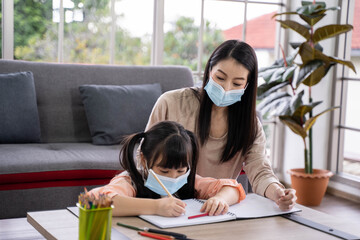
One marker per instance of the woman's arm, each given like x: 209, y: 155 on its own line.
x: 257, y: 165
x: 130, y: 206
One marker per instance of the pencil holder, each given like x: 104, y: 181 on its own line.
x: 95, y: 223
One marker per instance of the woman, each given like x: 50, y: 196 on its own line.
x: 223, y: 115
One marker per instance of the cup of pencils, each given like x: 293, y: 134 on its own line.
x: 95, y: 217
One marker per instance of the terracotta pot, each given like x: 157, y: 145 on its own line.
x: 310, y: 188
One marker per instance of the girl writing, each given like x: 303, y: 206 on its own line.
x: 171, y: 152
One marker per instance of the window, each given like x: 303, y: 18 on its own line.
x: 346, y: 136
x: 181, y: 32
x: 35, y: 34
x: 87, y: 29
x: 351, y: 161
x: 133, y: 31
x: 122, y: 32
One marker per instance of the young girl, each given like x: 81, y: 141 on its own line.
x: 171, y: 152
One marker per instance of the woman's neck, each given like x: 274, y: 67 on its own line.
x: 219, y: 123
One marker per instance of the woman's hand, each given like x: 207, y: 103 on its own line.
x: 215, y: 206
x: 284, y: 198
x: 170, y: 207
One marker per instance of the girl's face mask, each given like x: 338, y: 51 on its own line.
x: 220, y: 97
x: 171, y: 184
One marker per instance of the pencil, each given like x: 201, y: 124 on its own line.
x: 161, y: 184
x: 155, y: 235
x: 200, y: 215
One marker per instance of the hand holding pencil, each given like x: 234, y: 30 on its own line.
x: 170, y: 207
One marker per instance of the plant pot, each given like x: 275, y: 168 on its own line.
x: 310, y: 188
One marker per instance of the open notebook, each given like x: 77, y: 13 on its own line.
x: 253, y: 206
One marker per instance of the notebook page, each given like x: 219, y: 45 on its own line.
x: 256, y: 206
x: 192, y: 208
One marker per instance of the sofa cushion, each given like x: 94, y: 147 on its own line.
x: 114, y: 111
x: 19, y: 119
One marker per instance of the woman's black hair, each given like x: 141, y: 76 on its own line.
x: 169, y: 142
x: 242, y: 122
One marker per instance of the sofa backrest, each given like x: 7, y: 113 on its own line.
x: 61, y: 112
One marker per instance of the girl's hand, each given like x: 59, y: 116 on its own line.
x: 170, y: 207
x: 215, y: 206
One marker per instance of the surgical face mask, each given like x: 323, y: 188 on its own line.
x: 220, y: 97
x: 171, y: 184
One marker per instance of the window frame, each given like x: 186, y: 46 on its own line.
x: 340, y: 85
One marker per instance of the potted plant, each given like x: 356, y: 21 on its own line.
x: 299, y: 72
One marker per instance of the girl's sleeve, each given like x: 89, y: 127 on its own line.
x: 208, y: 187
x: 119, y: 185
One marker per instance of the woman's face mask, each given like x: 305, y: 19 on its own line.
x: 220, y: 97
x: 171, y: 184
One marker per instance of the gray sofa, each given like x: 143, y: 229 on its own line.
x: 51, y: 173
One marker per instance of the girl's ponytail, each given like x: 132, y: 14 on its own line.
x: 126, y: 156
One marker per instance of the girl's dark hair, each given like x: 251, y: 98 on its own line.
x: 242, y: 121
x: 169, y: 142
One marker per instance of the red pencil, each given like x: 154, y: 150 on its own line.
x: 155, y: 235
x: 200, y: 215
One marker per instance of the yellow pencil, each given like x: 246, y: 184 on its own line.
x: 161, y: 184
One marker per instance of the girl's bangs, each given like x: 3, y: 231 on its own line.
x: 176, y: 153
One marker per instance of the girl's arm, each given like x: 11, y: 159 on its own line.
x: 220, y: 194
x: 219, y: 204
x: 229, y: 194
x: 130, y: 206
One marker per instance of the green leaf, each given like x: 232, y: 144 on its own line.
x: 294, y: 126
x: 272, y: 97
x: 289, y: 60
x: 304, y: 109
x: 330, y: 31
x: 297, y: 27
x: 295, y: 45
x: 296, y: 101
x: 308, y: 8
x: 306, y: 52
x: 283, y: 108
x: 284, y: 13
x: 306, y: 71
x: 267, y: 74
x: 315, y: 76
x: 310, y: 122
x: 277, y: 75
x: 346, y: 63
x: 312, y: 20
x: 289, y: 72
x: 271, y: 109
x: 266, y: 89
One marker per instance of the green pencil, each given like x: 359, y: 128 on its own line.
x: 128, y: 226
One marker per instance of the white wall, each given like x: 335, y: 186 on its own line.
x: 293, y: 145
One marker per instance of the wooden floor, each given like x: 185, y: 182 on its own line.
x: 19, y: 228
